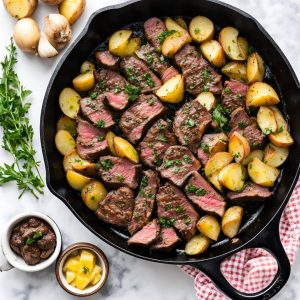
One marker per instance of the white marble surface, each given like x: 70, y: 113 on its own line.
x: 129, y: 278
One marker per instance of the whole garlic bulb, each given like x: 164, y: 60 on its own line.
x: 57, y: 30
x: 52, y: 2
x: 45, y: 49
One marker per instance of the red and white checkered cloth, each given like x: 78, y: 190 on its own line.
x: 251, y: 270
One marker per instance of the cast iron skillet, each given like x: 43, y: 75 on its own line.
x: 264, y: 232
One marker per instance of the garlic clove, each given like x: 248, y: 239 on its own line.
x: 45, y: 49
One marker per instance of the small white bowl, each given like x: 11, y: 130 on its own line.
x: 13, y: 259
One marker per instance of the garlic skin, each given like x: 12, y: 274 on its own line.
x: 57, y: 30
x: 52, y: 2
x: 45, y: 49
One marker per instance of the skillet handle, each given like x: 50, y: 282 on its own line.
x: 269, y: 240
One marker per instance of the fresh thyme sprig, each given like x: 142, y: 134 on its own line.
x: 17, y: 131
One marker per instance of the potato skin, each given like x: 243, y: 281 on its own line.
x: 87, y: 66
x: 233, y: 177
x: 172, y: 91
x: 10, y: 6
x: 266, y: 120
x: 72, y: 9
x: 174, y: 43
x: 69, y: 102
x: 255, y: 153
x: 238, y: 147
x: 201, y: 29
x: 64, y: 142
x: 281, y: 139
x: 213, y: 52
x: 124, y: 149
x: 66, y: 123
x: 76, y: 180
x: 217, y: 162
x: 118, y: 42
x: 209, y: 227
x: 231, y: 221
x: 197, y: 245
x: 235, y: 70
x: 84, y: 82
x: 93, y: 193
x: 275, y: 156
x: 110, y: 142
x: 255, y: 68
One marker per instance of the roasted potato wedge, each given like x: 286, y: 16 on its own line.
x: 255, y: 68
x: 174, y: 26
x: 87, y: 66
x: 232, y: 220
x: 73, y: 158
x: 133, y: 45
x: 93, y: 193
x: 214, y: 142
x: 20, y: 9
x: 84, y: 82
x: 77, y: 181
x: 275, y: 156
x: 118, y: 42
x: 243, y: 47
x: 208, y: 100
x: 281, y: 139
x: 181, y: 22
x: 201, y: 29
x: 197, y: 245
x: 233, y: 177
x: 281, y: 122
x: 266, y: 120
x: 110, y: 142
x: 85, y: 168
x: 213, y: 52
x: 210, y: 227
x: 255, y: 153
x: 214, y: 180
x: 124, y: 149
x: 174, y: 43
x: 69, y: 102
x: 72, y: 9
x: 238, y: 147
x: 217, y: 162
x: 235, y: 70
x: 66, y: 123
x: 261, y: 173
x: 64, y: 142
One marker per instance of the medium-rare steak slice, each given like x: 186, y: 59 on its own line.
x: 174, y: 209
x: 157, y: 140
x: 168, y: 240
x: 154, y: 29
x: 140, y: 115
x: 117, y: 172
x: 90, y: 141
x: 198, y: 74
x: 139, y: 74
x: 107, y: 60
x: 147, y: 235
x: 202, y: 194
x: 117, y: 207
x: 144, y: 202
x: 190, y: 123
x: 202, y: 156
x: 168, y: 74
x: 178, y: 164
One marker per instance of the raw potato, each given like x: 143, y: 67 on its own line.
x: 281, y: 139
x: 217, y: 162
x: 118, y: 42
x: 71, y: 9
x: 85, y: 168
x: 20, y: 9
x: 209, y: 227
x: 174, y: 43
x: 235, y: 70
x: 255, y: 68
x: 69, y: 102
x: 181, y: 22
x: 214, y: 180
x: 73, y: 158
x: 238, y: 147
x: 76, y: 180
x: 208, y: 100
x: 124, y: 149
x: 110, y: 142
x: 213, y: 52
x: 275, y: 156
x: 243, y: 46
x: 84, y: 82
x: 255, y: 153
x: 233, y: 177
x: 64, y: 142
x: 196, y: 245
x: 133, y: 45
x: 266, y: 120
x: 201, y: 29
x: 261, y: 173
x: 66, y: 123
x: 87, y: 66
x: 281, y: 122
x: 231, y: 221
x: 172, y: 91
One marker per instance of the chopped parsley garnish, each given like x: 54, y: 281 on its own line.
x: 197, y: 30
x: 166, y: 222
x: 187, y: 221
x: 150, y: 59
x: 101, y: 85
x: 206, y: 75
x: 280, y: 130
x: 237, y: 155
x: 160, y: 137
x: 164, y: 34
x: 267, y: 131
x: 144, y: 181
x: 100, y: 138
x: 151, y: 101
x: 190, y: 123
x: 120, y: 178
x: 168, y: 163
x: 86, y: 269
x: 242, y: 125
x: 206, y: 88
x: 190, y: 188
x: 176, y: 170
x: 130, y: 73
x: 160, y: 126
x: 179, y: 209
x: 149, y: 80
x: 33, y: 238
x: 162, y: 59
x: 205, y: 147
x: 100, y: 124
x: 220, y: 116
x: 157, y: 161
x: 227, y: 90
x: 107, y: 164
x: 168, y: 206
x: 117, y: 89
x: 136, y: 215
x: 94, y: 95
x: 187, y: 159
x: 132, y: 91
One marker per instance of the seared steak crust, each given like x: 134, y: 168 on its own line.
x: 168, y: 240
x: 153, y: 28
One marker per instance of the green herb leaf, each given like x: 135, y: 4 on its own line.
x: 33, y: 238
x: 220, y: 116
x: 132, y: 91
x: 164, y: 34
x: 100, y: 124
x: 107, y: 164
x: 144, y: 181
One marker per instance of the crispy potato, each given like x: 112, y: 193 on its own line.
x: 201, y: 29
x: 64, y: 142
x: 261, y: 173
x: 73, y: 158
x: 66, y: 123
x: 133, y: 45
x: 174, y: 43
x: 118, y: 42
x: 84, y: 82
x: 69, y: 102
x: 85, y: 168
x: 209, y: 227
x: 214, y: 180
x: 20, y: 9
x: 281, y: 139
x: 255, y: 68
x: 281, y: 122
x: 235, y: 70
x: 181, y: 22
x: 172, y: 91
x: 243, y: 47
x: 72, y: 9
x: 231, y: 221
x: 213, y: 52
x: 124, y: 149
x: 217, y: 162
x: 77, y: 181
x: 266, y: 120
x: 238, y: 147
x: 214, y: 142
x: 196, y: 245
x: 87, y: 66
x: 93, y: 193
x: 110, y: 142
x: 233, y: 177
x: 255, y: 153
x: 275, y: 156
x: 261, y: 93
x: 208, y: 100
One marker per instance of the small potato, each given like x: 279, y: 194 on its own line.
x: 133, y: 45
x: 73, y: 158
x: 255, y: 68
x: 85, y: 168
x: 243, y: 46
x: 66, y: 123
x: 93, y: 193
x: 84, y: 82
x: 232, y: 220
x: 255, y: 153
x: 213, y: 52
x: 261, y: 93
x: 20, y: 9
x: 124, y: 149
x: 214, y: 142
x: 174, y: 26
x: 266, y: 120
x: 118, y: 42
x: 76, y: 180
x: 201, y: 29
x: 214, y: 180
x: 172, y: 91
x: 87, y: 66
x: 181, y: 22
x: 238, y: 147
x: 209, y: 227
x: 275, y: 156
x: 235, y: 70
x: 233, y: 177
x: 197, y: 245
x: 64, y: 142
x: 69, y: 102
x: 208, y: 100
x: 281, y: 122
x: 72, y: 9
x: 174, y: 43
x: 281, y: 139
x: 262, y: 174
x: 110, y: 142
x: 217, y: 162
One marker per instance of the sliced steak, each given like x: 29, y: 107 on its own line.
x: 117, y: 172
x: 90, y: 141
x: 139, y: 74
x: 239, y: 119
x: 144, y: 202
x: 168, y: 74
x: 178, y: 164
x: 198, y: 74
x: 107, y: 60
x: 174, y: 209
x: 190, y: 123
x: 157, y: 140
x: 203, y: 156
x: 117, y: 207
x: 147, y: 235
x: 168, y: 240
x: 153, y: 29
x: 140, y: 115
x: 203, y: 195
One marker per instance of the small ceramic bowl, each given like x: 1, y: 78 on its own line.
x: 101, y: 261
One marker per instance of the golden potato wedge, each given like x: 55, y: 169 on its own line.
x: 118, y: 42
x: 133, y: 45
x: 87, y: 66
x: 96, y: 275
x: 93, y: 193
x: 85, y: 168
x: 275, y: 156
x: 181, y: 22
x: 281, y: 122
x: 214, y: 180
x: 208, y: 100
x: 213, y: 52
x: 172, y: 91
x: 255, y: 153
x: 217, y: 162
x: 73, y: 158
x: 72, y: 9
x: 110, y: 142
x: 69, y: 102
x: 77, y: 181
x: 20, y: 9
x: 266, y: 120
x: 84, y: 82
x: 262, y: 174
x: 66, y: 123
x: 174, y: 43
x: 255, y: 68
x: 232, y: 220
x: 174, y: 26
x: 197, y: 245
x: 243, y: 47
x: 124, y: 149
x: 281, y: 139
x: 214, y: 142
x: 201, y: 29
x: 235, y: 70
x: 210, y: 227
x: 64, y: 142
x: 233, y: 177
x: 261, y: 93
x: 238, y: 147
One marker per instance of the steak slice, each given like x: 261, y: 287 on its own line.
x: 202, y: 194
x: 140, y: 115
x: 139, y: 74
x: 107, y: 60
x: 157, y: 140
x: 147, y: 235
x: 202, y: 156
x: 168, y: 240
x: 90, y: 141
x: 174, y: 209
x: 168, y: 74
x: 144, y: 202
x: 117, y: 172
x: 178, y: 164
x: 153, y: 28
x: 190, y: 123
x: 117, y: 207
x: 198, y: 74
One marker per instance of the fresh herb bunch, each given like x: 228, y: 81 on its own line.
x: 17, y: 131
